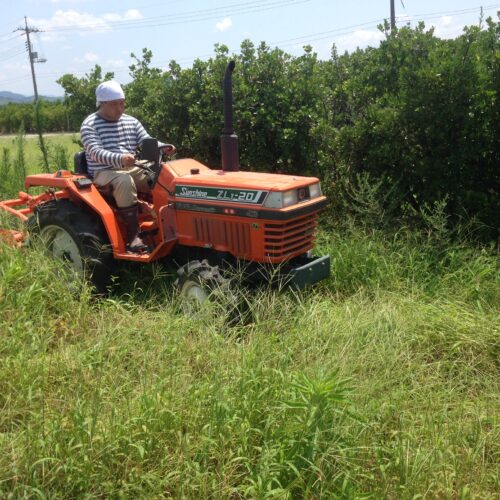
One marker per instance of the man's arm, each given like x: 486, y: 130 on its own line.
x: 141, y: 133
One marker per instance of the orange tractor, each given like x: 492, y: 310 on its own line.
x: 202, y: 220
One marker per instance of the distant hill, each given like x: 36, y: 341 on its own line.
x: 6, y: 97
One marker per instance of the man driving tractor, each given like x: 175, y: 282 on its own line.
x: 110, y: 138
x: 206, y: 221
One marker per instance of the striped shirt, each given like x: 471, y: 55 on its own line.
x: 105, y: 142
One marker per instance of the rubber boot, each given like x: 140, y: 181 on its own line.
x: 130, y: 217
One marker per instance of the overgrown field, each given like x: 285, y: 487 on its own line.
x: 21, y: 155
x: 383, y: 381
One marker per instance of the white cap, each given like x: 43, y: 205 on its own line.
x: 108, y: 91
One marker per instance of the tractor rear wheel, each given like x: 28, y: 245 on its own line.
x: 77, y: 237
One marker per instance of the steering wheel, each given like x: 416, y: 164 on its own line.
x: 148, y: 157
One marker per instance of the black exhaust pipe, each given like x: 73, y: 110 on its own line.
x: 228, y: 139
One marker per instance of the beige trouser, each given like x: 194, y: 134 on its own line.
x: 125, y: 182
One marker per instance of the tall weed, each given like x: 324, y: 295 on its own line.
x: 371, y: 200
x: 60, y: 157
x: 42, y: 144
x: 5, y: 171
x: 19, y: 164
x: 129, y: 396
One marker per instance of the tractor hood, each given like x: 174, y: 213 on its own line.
x: 189, y: 172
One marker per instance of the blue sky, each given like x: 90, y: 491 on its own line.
x: 77, y: 34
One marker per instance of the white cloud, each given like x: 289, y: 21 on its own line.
x: 447, y: 27
x: 88, y: 57
x: 446, y: 20
x: 115, y: 64
x: 224, y: 25
x: 68, y: 1
x: 65, y: 23
x: 108, y: 64
x: 360, y: 38
x: 444, y: 27
x: 130, y: 15
x: 403, y: 20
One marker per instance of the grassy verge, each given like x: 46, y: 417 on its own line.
x: 383, y: 381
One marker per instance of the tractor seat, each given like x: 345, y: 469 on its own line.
x: 80, y: 165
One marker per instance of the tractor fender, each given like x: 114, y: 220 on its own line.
x: 96, y: 202
x: 78, y: 187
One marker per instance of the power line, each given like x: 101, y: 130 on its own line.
x: 12, y: 55
x: 343, y: 31
x: 318, y: 36
x: 302, y: 39
x: 460, y: 11
x: 183, y: 18
x: 208, y: 14
x: 10, y: 48
x: 7, y: 37
x: 347, y: 30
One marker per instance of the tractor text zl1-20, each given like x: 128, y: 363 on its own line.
x: 201, y: 219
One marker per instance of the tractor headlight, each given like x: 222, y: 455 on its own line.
x: 283, y: 199
x: 274, y: 200
x: 315, y: 190
x: 290, y: 198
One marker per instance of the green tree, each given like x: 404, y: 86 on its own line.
x: 417, y: 116
x: 423, y: 112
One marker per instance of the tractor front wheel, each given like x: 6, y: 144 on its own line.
x: 199, y: 282
x: 77, y: 237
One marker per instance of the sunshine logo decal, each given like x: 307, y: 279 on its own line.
x: 247, y: 196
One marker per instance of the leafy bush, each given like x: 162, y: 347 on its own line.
x: 417, y: 113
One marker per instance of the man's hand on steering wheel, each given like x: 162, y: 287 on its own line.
x: 168, y: 149
x: 128, y: 160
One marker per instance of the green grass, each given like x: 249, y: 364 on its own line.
x: 61, y: 150
x: 383, y: 381
x: 21, y: 155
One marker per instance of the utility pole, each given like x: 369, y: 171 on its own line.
x: 33, y: 56
x: 393, y: 15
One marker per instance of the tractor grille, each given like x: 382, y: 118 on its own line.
x: 233, y: 235
x: 290, y: 238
